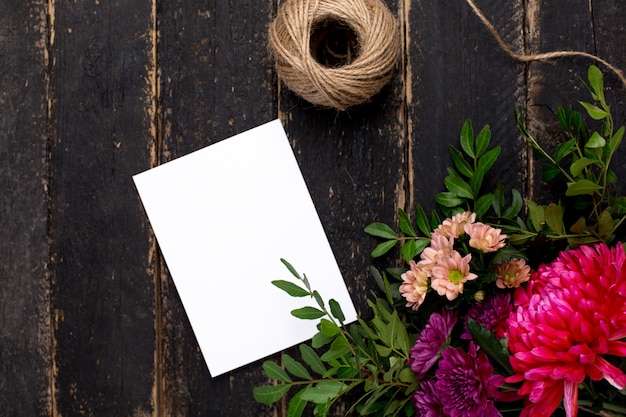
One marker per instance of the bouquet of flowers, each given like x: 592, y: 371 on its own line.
x: 506, y: 308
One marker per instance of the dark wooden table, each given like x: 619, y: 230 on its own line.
x: 95, y: 91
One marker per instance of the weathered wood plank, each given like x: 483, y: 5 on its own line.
x: 216, y: 81
x: 580, y: 26
x: 458, y: 72
x: 24, y: 282
x: 103, y: 285
x: 353, y: 163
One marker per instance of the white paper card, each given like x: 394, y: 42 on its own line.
x: 224, y: 216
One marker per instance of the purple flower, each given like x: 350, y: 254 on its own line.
x: 491, y: 313
x: 426, y: 401
x: 466, y: 384
x: 431, y: 341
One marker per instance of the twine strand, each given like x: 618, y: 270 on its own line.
x: 542, y: 56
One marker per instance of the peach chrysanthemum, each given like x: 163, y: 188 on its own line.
x: 450, y: 275
x: 455, y: 225
x: 568, y: 324
x: 484, y: 237
x: 414, y: 286
x: 512, y: 273
x: 440, y: 246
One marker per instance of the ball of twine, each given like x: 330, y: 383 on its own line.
x: 334, y: 53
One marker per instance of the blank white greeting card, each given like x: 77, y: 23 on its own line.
x: 224, y: 216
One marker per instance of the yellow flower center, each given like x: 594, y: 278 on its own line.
x: 455, y: 276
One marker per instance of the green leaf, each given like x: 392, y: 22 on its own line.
x: 291, y: 288
x: 605, y: 225
x: 318, y: 299
x: 381, y: 230
x: 616, y: 140
x: 564, y: 149
x: 549, y: 172
x: 577, y: 166
x: 595, y: 81
x: 477, y: 180
x: 290, y: 268
x: 554, y: 218
x: 422, y: 220
x: 335, y: 310
x: 405, y: 223
x: 459, y: 162
x: 482, y: 140
x: 537, y: 215
x: 481, y: 206
x: 447, y: 199
x: 328, y: 328
x: 383, y: 351
x: 409, y: 250
x: 323, y: 391
x: 582, y: 187
x: 312, y: 359
x: 489, y: 158
x: 274, y: 371
x: 595, y: 112
x: 383, y: 248
x: 295, y: 368
x: 458, y: 187
x: 308, y: 313
x: 320, y: 339
x: 516, y: 205
x: 489, y: 344
x: 270, y: 394
x: 296, y: 405
x: 595, y: 141
x: 467, y: 138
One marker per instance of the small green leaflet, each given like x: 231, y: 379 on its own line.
x: 291, y: 288
x: 312, y: 359
x: 307, y: 313
x: 380, y: 230
x: 274, y: 371
x: 270, y: 394
x: 323, y: 391
x: 295, y: 368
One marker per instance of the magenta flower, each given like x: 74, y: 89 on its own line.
x: 569, y: 319
x: 426, y: 401
x: 491, y: 313
x: 432, y: 340
x: 466, y: 384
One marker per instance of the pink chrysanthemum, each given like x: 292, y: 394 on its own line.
x: 466, y: 384
x: 484, y: 237
x: 426, y: 401
x: 450, y: 274
x: 414, y: 286
x: 570, y: 316
x: 455, y: 226
x: 512, y: 274
x: 432, y: 340
x: 440, y: 246
x: 491, y: 313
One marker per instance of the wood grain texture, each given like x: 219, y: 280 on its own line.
x: 458, y: 73
x: 216, y: 81
x: 93, y: 92
x: 24, y: 282
x: 102, y: 296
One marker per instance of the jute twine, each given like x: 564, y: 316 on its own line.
x: 546, y: 56
x: 340, y: 70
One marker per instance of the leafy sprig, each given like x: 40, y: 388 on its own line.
x: 370, y: 356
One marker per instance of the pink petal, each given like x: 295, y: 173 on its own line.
x: 570, y: 399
